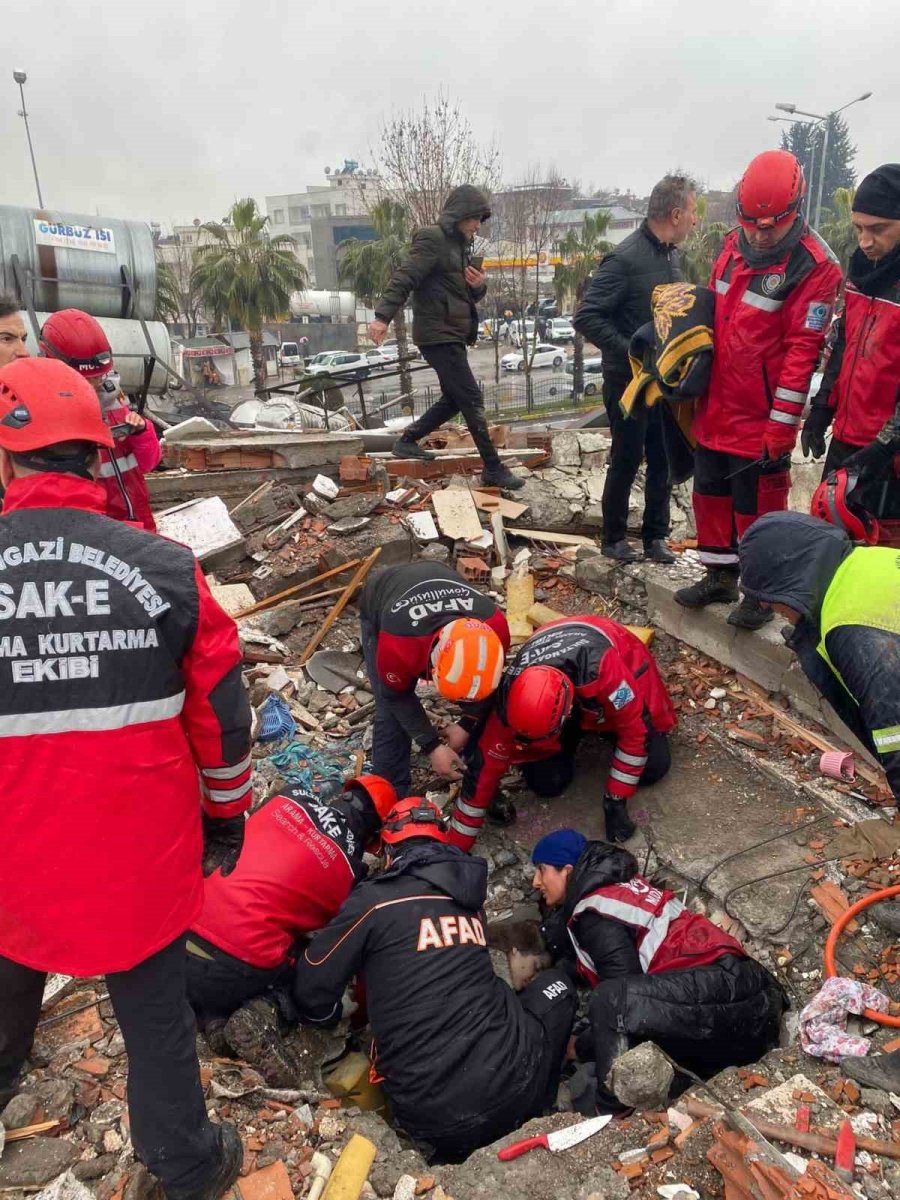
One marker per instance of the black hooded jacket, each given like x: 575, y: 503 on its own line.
x: 451, y: 1039
x: 791, y: 558
x: 610, y: 945
x: 433, y: 271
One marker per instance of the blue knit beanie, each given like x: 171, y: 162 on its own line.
x: 561, y: 848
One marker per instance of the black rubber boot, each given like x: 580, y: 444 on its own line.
x: 500, y: 476
x: 718, y: 586
x: 253, y: 1034
x: 619, y: 826
x: 750, y: 615
x: 621, y: 552
x: 501, y: 811
x: 657, y: 551
x: 875, y: 1071
x: 221, y: 1179
x: 403, y: 449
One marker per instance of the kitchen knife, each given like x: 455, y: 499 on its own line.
x: 560, y: 1139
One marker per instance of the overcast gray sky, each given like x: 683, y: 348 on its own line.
x: 170, y: 109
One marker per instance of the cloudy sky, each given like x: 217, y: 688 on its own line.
x: 169, y: 109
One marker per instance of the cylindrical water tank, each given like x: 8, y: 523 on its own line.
x: 340, y: 305
x: 69, y: 260
x: 129, y: 349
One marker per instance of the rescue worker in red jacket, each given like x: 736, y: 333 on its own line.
x: 123, y: 719
x: 775, y: 283
x: 573, y: 676
x: 422, y: 620
x: 77, y: 339
x: 658, y: 971
x: 860, y: 391
x: 300, y: 859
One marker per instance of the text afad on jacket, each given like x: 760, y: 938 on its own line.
x: 449, y: 931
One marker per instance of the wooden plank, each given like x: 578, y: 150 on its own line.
x: 359, y: 575
x: 30, y: 1131
x: 558, y: 539
x: 456, y: 514
x: 519, y: 599
x: 271, y: 601
x: 510, y: 510
x: 500, y: 543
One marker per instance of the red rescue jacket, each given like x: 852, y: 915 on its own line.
x: 668, y: 937
x: 863, y: 373
x: 121, y: 710
x: 618, y: 691
x: 134, y: 454
x: 770, y: 325
x: 298, y: 863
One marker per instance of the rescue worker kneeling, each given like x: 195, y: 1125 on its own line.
x: 301, y: 857
x: 658, y: 972
x: 573, y: 676
x: 462, y: 1058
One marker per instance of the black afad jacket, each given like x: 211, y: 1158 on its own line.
x: 451, y: 1040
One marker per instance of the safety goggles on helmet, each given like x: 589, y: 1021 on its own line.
x: 769, y: 222
x: 98, y: 364
x: 414, y: 817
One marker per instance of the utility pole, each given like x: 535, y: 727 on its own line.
x: 20, y: 77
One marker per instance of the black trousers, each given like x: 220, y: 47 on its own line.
x: 633, y: 439
x: 391, y: 744
x: 551, y: 776
x: 730, y: 492
x: 461, y: 394
x: 170, y: 1130
x: 218, y: 983
x: 881, y: 497
x: 550, y: 1001
x: 706, y: 1018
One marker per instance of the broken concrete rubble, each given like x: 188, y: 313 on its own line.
x: 641, y: 1078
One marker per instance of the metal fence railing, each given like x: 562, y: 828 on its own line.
x: 514, y: 396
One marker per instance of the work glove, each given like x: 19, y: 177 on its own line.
x: 812, y: 435
x: 223, y: 839
x: 872, y: 461
x: 778, y: 442
x: 619, y: 826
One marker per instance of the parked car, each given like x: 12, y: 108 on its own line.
x: 560, y: 329
x: 289, y: 354
x: 545, y: 355
x: 515, y: 336
x: 592, y: 367
x: 333, y: 362
x: 391, y: 348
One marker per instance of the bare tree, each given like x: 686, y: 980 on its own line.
x: 181, y: 302
x: 423, y: 153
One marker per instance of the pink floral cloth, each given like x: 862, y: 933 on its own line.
x: 823, y: 1022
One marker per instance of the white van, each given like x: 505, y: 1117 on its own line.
x: 289, y: 355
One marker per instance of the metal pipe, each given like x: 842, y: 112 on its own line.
x: 822, y: 167
x: 20, y: 77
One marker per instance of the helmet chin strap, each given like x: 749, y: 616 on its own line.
x: 72, y: 464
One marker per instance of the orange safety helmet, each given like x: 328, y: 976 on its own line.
x: 44, y: 402
x: 539, y: 701
x: 378, y: 790
x: 834, y: 501
x: 466, y: 660
x: 771, y: 190
x: 414, y: 817
x: 78, y: 339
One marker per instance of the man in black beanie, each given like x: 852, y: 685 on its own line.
x: 860, y: 392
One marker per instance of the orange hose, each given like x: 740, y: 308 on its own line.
x: 838, y: 928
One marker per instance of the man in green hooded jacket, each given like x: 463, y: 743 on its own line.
x: 445, y: 284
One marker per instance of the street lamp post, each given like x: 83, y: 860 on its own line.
x: 20, y: 77
x: 812, y: 157
x: 825, y: 119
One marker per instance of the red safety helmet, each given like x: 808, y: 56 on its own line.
x: 771, y: 190
x: 43, y: 403
x: 539, y: 701
x: 378, y: 790
x: 834, y: 501
x: 77, y: 338
x: 411, y: 818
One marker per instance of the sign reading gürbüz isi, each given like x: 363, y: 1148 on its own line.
x: 74, y: 237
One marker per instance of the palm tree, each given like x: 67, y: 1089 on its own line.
x: 581, y: 251
x: 702, y: 248
x: 838, y: 230
x: 244, y: 275
x: 168, y: 296
x: 367, y: 267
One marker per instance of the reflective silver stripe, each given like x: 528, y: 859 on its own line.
x: 126, y: 463
x: 630, y: 760
x: 220, y: 796
x: 622, y: 777
x: 227, y: 772
x: 468, y: 830
x: 468, y: 810
x: 793, y: 397
x: 717, y: 560
x: 784, y: 418
x: 722, y: 286
x: 91, y: 720
x: 656, y: 934
x: 766, y: 303
x: 656, y: 924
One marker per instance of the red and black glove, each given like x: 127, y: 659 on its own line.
x: 778, y: 442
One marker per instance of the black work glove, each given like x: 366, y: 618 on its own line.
x: 223, y: 838
x: 619, y: 826
x: 772, y: 466
x: 872, y: 461
x: 812, y: 435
